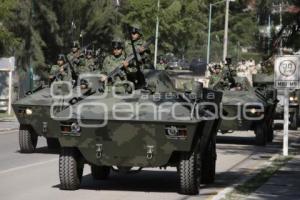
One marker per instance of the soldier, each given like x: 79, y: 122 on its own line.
x: 136, y: 43
x: 76, y: 57
x: 90, y: 65
x: 161, y: 65
x: 114, y: 60
x: 60, y: 71
x: 216, y: 76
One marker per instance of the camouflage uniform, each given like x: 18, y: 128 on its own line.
x: 77, y: 59
x: 62, y: 76
x: 160, y: 66
x: 214, y: 79
x: 90, y: 65
x: 111, y: 62
x: 145, y: 62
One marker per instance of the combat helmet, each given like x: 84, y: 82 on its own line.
x: 61, y: 57
x: 136, y: 28
x: 76, y: 44
x: 117, y: 43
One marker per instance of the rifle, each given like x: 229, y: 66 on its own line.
x: 230, y: 76
x: 118, y: 70
x: 73, y: 72
x: 137, y: 59
x: 58, y: 75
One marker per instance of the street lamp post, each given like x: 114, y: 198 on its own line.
x: 156, y: 35
x: 225, y: 31
x: 209, y: 34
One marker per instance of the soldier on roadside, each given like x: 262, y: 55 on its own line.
x: 161, y: 65
x: 60, y: 71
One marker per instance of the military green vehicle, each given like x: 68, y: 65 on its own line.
x: 247, y: 108
x: 266, y: 82
x: 294, y: 107
x: 142, y: 128
x: 34, y: 113
x: 183, y: 79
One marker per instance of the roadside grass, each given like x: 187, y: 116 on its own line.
x: 245, y: 189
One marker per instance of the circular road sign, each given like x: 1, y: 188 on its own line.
x: 287, y: 68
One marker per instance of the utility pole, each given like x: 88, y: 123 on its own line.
x: 269, y: 35
x: 280, y: 8
x: 156, y: 34
x: 226, y: 30
x: 209, y: 34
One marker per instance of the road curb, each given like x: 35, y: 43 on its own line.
x: 3, y: 131
x: 222, y: 194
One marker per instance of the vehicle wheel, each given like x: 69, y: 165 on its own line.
x: 270, y: 135
x: 270, y: 132
x: 70, y: 169
x: 100, y: 172
x: 189, y: 173
x: 293, y: 125
x: 27, y: 140
x: 53, y: 143
x: 261, y: 135
x: 208, y: 167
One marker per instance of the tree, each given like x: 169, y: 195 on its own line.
x: 7, y: 39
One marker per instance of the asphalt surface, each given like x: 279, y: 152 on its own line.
x: 35, y: 176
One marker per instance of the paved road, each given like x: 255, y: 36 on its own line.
x: 35, y: 176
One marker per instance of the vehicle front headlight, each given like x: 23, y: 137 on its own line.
x: 75, y: 128
x: 253, y: 110
x: 292, y: 98
x: 28, y: 111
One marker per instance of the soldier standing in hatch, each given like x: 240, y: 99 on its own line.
x: 76, y: 57
x: 60, y: 71
x: 90, y: 65
x: 216, y: 76
x: 114, y: 60
x: 136, y: 43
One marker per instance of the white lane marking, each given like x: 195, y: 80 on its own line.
x: 27, y: 166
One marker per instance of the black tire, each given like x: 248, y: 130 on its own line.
x: 27, y: 140
x: 70, y: 169
x: 189, y: 173
x: 208, y: 164
x: 293, y: 119
x: 100, y: 172
x: 260, y: 135
x: 53, y: 143
x: 270, y: 132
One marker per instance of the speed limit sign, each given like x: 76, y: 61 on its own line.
x: 287, y: 72
x: 286, y: 78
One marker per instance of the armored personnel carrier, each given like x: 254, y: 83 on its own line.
x: 247, y: 108
x: 141, y: 128
x: 265, y: 82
